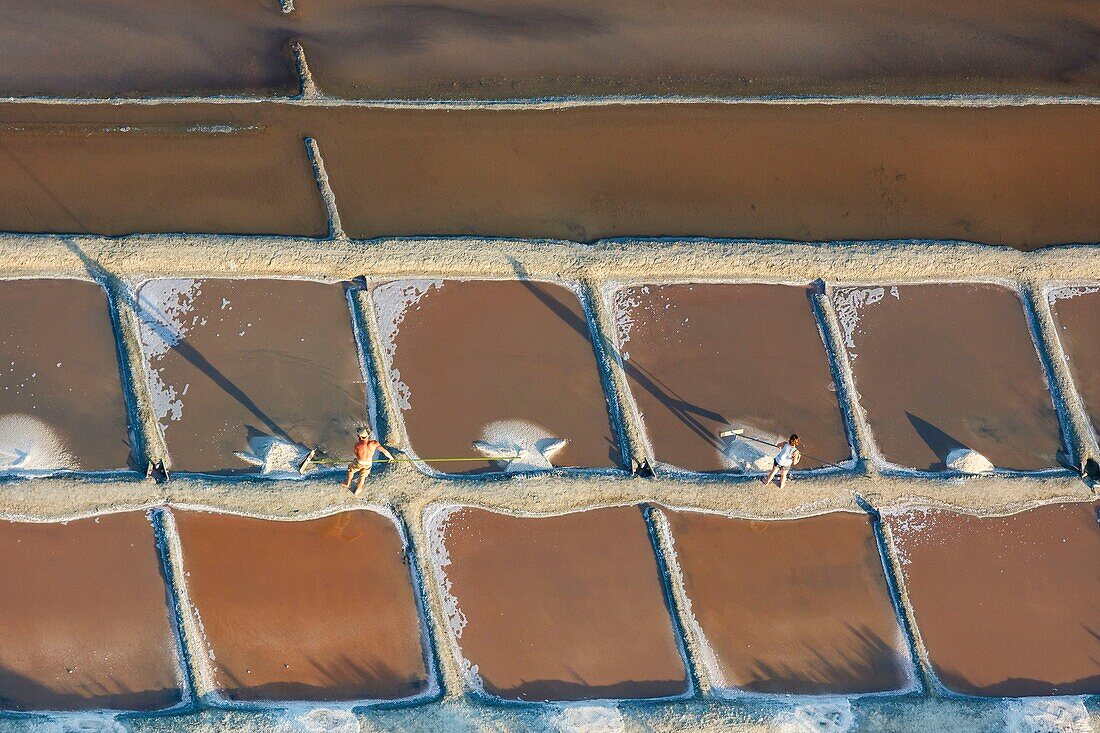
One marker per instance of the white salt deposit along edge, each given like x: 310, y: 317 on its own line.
x: 1066, y: 292
x: 825, y: 715
x: 588, y: 717
x: 1048, y: 715
x: 392, y: 301
x: 849, y: 301
x: 29, y: 445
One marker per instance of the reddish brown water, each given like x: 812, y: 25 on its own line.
x: 1006, y: 606
x: 1076, y: 318
x: 87, y: 178
x: 234, y: 360
x: 792, y: 607
x: 562, y: 608
x: 469, y: 356
x: 61, y: 403
x: 310, y: 610
x: 84, y: 618
x: 943, y: 367
x: 703, y: 357
x: 85, y: 48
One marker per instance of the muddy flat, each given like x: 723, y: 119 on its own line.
x: 537, y: 48
x: 703, y: 358
x: 986, y: 393
x: 130, y: 48
x: 508, y: 364
x: 116, y: 180
x: 1006, y: 606
x: 245, y: 366
x: 307, y: 610
x: 1076, y: 312
x: 1022, y: 177
x: 84, y: 617
x: 561, y: 608
x: 792, y: 607
x: 61, y: 402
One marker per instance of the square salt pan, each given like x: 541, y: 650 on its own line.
x: 507, y: 365
x: 85, y: 622
x: 322, y: 609
x: 251, y: 367
x: 701, y: 358
x: 796, y: 607
x: 948, y: 368
x: 567, y: 607
x: 61, y: 400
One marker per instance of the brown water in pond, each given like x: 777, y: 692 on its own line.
x: 61, y: 402
x: 84, y: 618
x: 703, y: 357
x: 792, y: 607
x: 307, y: 610
x: 1007, y: 606
x: 505, y: 362
x: 1077, y: 316
x: 945, y: 367
x: 234, y: 361
x: 85, y: 48
x: 567, y: 607
x: 176, y: 177
x: 1023, y: 177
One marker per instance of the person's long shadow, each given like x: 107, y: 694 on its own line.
x: 937, y: 440
x: 686, y: 412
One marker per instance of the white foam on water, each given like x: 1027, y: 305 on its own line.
x: 588, y: 718
x: 391, y: 303
x: 849, y: 302
x: 534, y: 445
x: 824, y: 716
x: 968, y: 461
x: 30, y: 444
x: 1053, y: 715
x: 275, y: 456
x: 163, y: 307
x: 1065, y: 292
x: 328, y: 720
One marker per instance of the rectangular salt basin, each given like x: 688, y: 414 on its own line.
x: 267, y: 369
x: 1024, y: 177
x: 116, y: 180
x: 506, y: 364
x: 946, y: 368
x: 85, y: 622
x: 701, y: 358
x: 796, y: 607
x: 61, y: 401
x: 1006, y: 606
x: 125, y: 48
x: 567, y: 607
x: 321, y: 609
x: 1076, y: 314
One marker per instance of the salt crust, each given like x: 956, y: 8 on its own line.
x: 392, y: 302
x: 589, y: 718
x: 163, y: 307
x: 829, y: 715
x: 849, y: 302
x: 1050, y: 715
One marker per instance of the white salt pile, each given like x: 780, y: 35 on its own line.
x: 276, y: 457
x: 531, y: 445
x: 30, y: 444
x: 968, y: 461
x: 748, y: 456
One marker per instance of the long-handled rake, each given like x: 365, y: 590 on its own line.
x: 311, y: 460
x: 740, y: 432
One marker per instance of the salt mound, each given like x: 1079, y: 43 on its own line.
x: 747, y: 456
x: 30, y: 444
x: 532, y: 445
x: 274, y: 456
x: 969, y: 461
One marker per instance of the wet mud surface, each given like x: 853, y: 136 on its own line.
x: 1006, y: 606
x: 506, y: 363
x: 941, y: 368
x: 234, y: 364
x: 61, y: 401
x: 124, y: 48
x: 701, y: 358
x: 1077, y: 311
x: 792, y: 607
x: 567, y: 607
x: 84, y: 618
x: 306, y: 610
x: 172, y: 177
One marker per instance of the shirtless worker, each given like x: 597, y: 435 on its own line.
x: 365, y: 449
x: 789, y: 454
